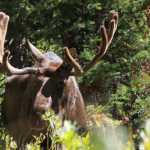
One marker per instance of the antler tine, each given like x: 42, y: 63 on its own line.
x: 113, y: 25
x: 36, y: 53
x: 75, y: 64
x: 107, y: 36
x: 4, y: 19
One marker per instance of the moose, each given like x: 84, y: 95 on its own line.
x: 50, y: 83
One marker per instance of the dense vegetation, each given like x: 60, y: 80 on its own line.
x: 119, y: 84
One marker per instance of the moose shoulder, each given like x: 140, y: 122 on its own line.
x: 50, y: 83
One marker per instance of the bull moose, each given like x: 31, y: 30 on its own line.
x: 50, y: 83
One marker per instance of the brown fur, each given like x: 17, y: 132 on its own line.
x: 24, y: 98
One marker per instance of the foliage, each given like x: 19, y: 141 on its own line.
x: 99, y: 137
x: 124, y: 73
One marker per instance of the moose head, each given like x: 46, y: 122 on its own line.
x: 50, y: 83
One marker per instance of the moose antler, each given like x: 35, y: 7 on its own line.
x: 12, y: 70
x: 4, y: 63
x: 36, y: 53
x: 4, y: 19
x: 27, y: 70
x: 107, y: 36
